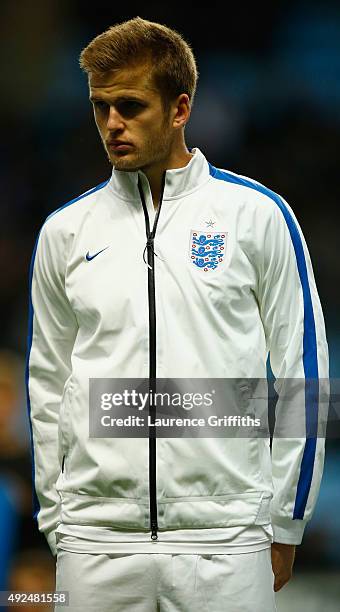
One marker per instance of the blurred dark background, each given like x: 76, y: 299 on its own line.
x: 267, y: 106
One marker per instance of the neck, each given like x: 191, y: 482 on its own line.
x: 178, y: 158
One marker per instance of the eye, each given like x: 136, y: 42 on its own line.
x: 100, y: 105
x: 130, y: 108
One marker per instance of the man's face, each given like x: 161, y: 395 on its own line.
x: 133, y: 125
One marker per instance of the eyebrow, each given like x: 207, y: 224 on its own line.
x: 119, y: 99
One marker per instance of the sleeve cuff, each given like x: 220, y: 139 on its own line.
x: 288, y: 531
x: 51, y: 540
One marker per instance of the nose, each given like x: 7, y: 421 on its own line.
x: 114, y: 121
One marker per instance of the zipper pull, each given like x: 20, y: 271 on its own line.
x: 154, y: 535
x: 147, y: 246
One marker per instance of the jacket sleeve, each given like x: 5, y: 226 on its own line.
x: 52, y: 332
x: 295, y: 334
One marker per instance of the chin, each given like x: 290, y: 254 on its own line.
x: 123, y: 163
x: 125, y: 166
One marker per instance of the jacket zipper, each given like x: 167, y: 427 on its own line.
x: 150, y: 235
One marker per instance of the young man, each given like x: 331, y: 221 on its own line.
x: 170, y: 269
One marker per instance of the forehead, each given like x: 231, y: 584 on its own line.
x: 133, y: 79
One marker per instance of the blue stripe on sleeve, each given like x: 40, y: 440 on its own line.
x: 36, y: 505
x: 83, y: 195
x: 310, y: 362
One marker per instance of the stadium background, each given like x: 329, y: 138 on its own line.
x: 267, y: 106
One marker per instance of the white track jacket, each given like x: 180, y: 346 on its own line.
x: 98, y: 310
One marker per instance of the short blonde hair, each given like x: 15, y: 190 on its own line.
x: 139, y: 41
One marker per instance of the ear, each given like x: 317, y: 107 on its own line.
x: 181, y: 111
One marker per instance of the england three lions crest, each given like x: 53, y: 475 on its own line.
x: 207, y: 249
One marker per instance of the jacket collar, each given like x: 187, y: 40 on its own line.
x: 178, y: 181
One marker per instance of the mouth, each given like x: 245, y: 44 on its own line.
x: 119, y: 146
